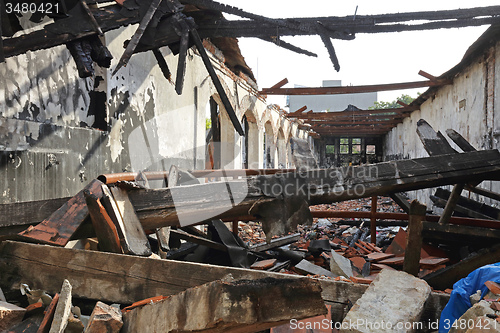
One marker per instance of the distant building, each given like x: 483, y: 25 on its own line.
x: 331, y: 102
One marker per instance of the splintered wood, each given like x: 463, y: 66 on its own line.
x: 225, y: 306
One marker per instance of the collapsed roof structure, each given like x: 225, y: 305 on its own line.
x: 176, y: 133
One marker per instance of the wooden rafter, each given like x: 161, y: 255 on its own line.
x: 353, y: 89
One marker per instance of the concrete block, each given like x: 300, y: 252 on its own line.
x: 10, y: 315
x: 463, y: 323
x: 340, y: 265
x: 392, y: 303
x: 63, y: 309
x: 104, y: 318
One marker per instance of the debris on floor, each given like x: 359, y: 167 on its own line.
x: 120, y: 247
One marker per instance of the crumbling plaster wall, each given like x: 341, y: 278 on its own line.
x: 49, y: 149
x: 471, y: 106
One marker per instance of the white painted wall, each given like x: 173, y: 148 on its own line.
x: 461, y: 106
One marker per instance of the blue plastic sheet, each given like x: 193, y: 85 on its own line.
x: 459, y: 300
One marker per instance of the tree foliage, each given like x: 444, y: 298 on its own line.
x: 407, y: 99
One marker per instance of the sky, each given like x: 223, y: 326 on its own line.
x: 369, y: 58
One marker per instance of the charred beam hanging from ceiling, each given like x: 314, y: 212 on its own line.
x: 163, y: 64
x: 136, y: 38
x: 215, y: 79
x: 114, y: 16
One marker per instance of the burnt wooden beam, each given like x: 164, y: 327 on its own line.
x: 353, y: 89
x: 275, y: 243
x: 114, y: 16
x: 434, y: 142
x: 325, y: 38
x: 92, y: 18
x: 160, y: 207
x: 483, y: 192
x: 163, y: 64
x: 30, y: 212
x: 401, y: 202
x: 281, y: 43
x: 229, y: 311
x: 362, y: 121
x: 459, y: 140
x: 74, y: 212
x: 441, y: 202
x: 198, y: 240
x: 411, y: 263
x: 215, y: 79
x: 281, y: 84
x: 258, y: 29
x: 137, y: 35
x: 45, y: 267
x: 347, y: 114
x: 37, y: 264
x: 105, y: 229
x: 446, y: 277
x: 181, y: 64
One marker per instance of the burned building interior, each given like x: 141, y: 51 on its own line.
x: 148, y: 184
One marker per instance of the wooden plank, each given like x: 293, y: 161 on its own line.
x: 452, y: 201
x: 401, y: 202
x: 228, y: 310
x: 73, y: 213
x: 373, y: 220
x: 29, y: 212
x: 483, y: 192
x: 144, y: 277
x: 135, y: 243
x: 441, y: 203
x: 181, y: 64
x: 104, y: 227
x: 446, y: 277
x: 411, y: 263
x: 378, y: 256
x: 133, y: 232
x: 215, y: 79
x: 479, y: 207
x: 431, y: 229
x: 137, y: 35
x: 306, y: 267
x: 353, y: 89
x: 434, y: 143
x: 329, y: 47
x: 459, y: 140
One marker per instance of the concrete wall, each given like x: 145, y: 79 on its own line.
x: 471, y: 106
x: 332, y: 102
x: 49, y: 149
